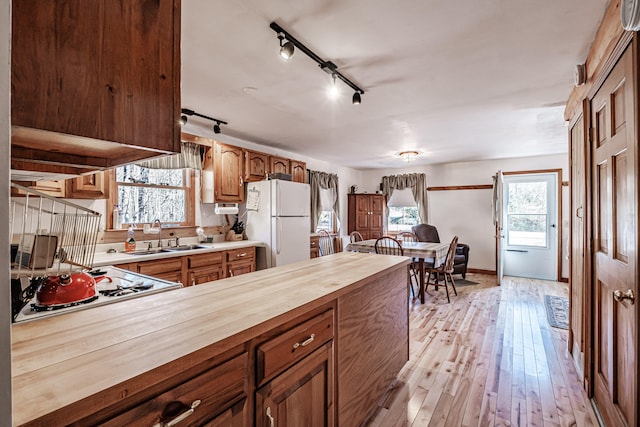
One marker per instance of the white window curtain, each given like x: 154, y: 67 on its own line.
x: 401, y: 199
x: 323, y: 181
x: 417, y: 182
x: 190, y: 156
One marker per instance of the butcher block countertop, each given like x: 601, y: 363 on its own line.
x: 60, y: 361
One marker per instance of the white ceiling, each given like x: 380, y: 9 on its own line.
x: 456, y: 80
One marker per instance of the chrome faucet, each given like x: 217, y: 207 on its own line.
x: 159, y: 231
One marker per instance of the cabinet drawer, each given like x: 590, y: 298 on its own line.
x: 279, y: 353
x: 152, y: 268
x: 241, y: 254
x: 216, y: 390
x: 205, y: 260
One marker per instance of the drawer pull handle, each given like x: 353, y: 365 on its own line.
x: 180, y: 417
x: 241, y: 255
x: 271, y: 420
x: 305, y: 342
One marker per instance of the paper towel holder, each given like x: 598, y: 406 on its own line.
x: 226, y: 208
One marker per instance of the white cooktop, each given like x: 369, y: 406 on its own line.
x: 119, y: 278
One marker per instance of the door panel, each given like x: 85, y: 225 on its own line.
x: 530, y: 225
x: 615, y: 231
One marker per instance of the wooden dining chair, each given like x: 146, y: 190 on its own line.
x: 444, y: 271
x: 387, y: 245
x: 407, y: 236
x: 326, y: 243
x: 355, y: 236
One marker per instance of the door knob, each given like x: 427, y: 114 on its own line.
x: 618, y: 295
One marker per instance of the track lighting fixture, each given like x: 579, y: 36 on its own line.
x: 287, y: 49
x: 187, y: 112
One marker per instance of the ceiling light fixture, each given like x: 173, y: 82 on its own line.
x: 187, y: 112
x: 287, y: 49
x: 408, y: 156
x: 333, y: 89
x: 356, y: 98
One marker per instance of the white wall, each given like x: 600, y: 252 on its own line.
x: 5, y: 132
x: 467, y: 213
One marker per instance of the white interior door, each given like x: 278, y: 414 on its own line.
x: 530, y: 226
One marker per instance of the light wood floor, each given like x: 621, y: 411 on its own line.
x: 488, y: 358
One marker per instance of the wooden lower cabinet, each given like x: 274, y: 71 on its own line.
x: 241, y: 261
x: 216, y: 397
x: 205, y: 268
x: 294, y: 373
x: 314, y: 246
x: 197, y: 269
x: 301, y: 396
x: 168, y: 269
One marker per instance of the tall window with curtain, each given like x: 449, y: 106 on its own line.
x: 325, y: 205
x: 416, y: 183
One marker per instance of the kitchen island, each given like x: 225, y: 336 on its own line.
x: 334, y: 328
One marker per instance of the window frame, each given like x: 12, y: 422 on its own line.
x: 334, y: 222
x: 189, y: 187
x: 389, y: 228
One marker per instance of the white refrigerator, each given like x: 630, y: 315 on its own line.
x: 278, y: 214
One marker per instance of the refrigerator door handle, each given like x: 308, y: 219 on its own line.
x: 278, y: 235
x: 278, y: 202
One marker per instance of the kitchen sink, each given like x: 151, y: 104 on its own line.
x: 182, y: 248
x: 144, y: 251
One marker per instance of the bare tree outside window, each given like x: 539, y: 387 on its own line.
x: 145, y: 195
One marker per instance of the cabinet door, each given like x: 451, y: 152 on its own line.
x: 301, y: 396
x: 94, y: 186
x: 227, y: 170
x: 201, y: 275
x: 377, y: 214
x: 362, y: 212
x: 123, y: 88
x: 298, y: 171
x: 256, y: 166
x: 279, y: 165
x: 236, y: 268
x: 51, y: 188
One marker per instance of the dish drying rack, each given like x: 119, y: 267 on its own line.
x: 50, y: 236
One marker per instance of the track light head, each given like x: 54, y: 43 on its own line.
x: 216, y: 128
x: 356, y: 98
x: 183, y: 120
x: 286, y: 49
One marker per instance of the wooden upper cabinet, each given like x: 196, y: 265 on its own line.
x: 89, y: 92
x: 256, y: 165
x: 298, y: 171
x: 227, y: 174
x: 94, y: 186
x: 279, y: 165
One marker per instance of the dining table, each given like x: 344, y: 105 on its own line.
x: 431, y: 252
